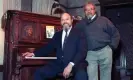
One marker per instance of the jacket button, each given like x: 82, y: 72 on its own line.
x: 62, y: 56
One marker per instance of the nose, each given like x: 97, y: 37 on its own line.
x: 88, y: 10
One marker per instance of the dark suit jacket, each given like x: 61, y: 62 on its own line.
x: 74, y: 51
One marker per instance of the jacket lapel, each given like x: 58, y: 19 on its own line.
x: 70, y: 38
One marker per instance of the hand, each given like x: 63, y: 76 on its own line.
x: 27, y: 54
x: 67, y: 70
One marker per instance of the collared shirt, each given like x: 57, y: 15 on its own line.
x: 93, y: 17
x: 63, y: 35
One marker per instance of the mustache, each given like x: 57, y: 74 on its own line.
x: 89, y: 16
x: 65, y: 23
x: 66, y: 26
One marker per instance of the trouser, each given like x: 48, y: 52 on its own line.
x: 50, y: 71
x: 103, y: 58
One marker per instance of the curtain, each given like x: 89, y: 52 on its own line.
x: 11, y: 5
x: 42, y: 6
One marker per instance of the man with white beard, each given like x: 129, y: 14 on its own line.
x: 102, y: 38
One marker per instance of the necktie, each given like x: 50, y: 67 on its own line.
x: 65, y: 39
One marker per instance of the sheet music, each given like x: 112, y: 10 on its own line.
x: 40, y: 57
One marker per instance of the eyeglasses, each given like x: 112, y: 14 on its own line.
x: 89, y: 9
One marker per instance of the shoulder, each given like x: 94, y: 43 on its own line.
x: 103, y: 18
x: 78, y: 31
x: 80, y: 24
x: 81, y: 21
x: 57, y: 33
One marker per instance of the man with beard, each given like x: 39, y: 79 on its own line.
x: 71, y: 51
x: 102, y: 38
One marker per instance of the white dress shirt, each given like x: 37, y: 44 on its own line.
x: 63, y: 37
x: 64, y: 34
x: 93, y: 17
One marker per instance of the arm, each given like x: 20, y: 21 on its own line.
x: 43, y: 51
x: 81, y: 49
x: 114, y: 33
x: 80, y: 55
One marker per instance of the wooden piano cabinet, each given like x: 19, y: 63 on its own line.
x: 28, y: 67
x: 23, y: 32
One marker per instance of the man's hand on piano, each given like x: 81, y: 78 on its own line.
x: 27, y: 54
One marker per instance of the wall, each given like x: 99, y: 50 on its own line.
x: 1, y: 34
x: 1, y: 38
x: 4, y: 6
x: 75, y: 7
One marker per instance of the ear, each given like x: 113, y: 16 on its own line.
x: 72, y: 19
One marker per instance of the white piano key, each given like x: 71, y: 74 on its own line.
x: 40, y: 57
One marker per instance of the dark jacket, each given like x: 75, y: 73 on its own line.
x: 100, y: 32
x: 75, y: 49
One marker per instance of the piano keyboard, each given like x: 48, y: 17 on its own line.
x: 40, y: 57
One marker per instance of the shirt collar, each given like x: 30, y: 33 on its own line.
x: 93, y: 17
x: 68, y: 30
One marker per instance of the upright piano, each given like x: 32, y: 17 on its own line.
x: 26, y: 32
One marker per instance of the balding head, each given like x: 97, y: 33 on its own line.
x: 90, y: 4
x: 89, y: 10
x: 66, y: 14
x: 66, y: 20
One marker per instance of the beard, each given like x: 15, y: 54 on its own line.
x: 66, y: 26
x: 89, y: 16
